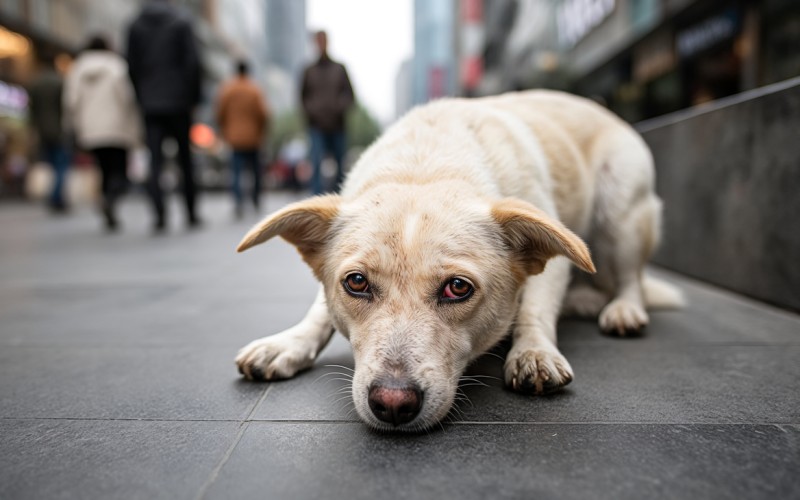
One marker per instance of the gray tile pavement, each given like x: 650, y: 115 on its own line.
x: 117, y: 381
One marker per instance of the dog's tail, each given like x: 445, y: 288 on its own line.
x: 658, y: 294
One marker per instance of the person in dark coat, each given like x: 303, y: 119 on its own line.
x: 46, y: 117
x: 327, y: 95
x: 164, y: 67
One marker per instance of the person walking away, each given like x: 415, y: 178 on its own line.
x: 327, y: 95
x: 164, y: 67
x: 100, y: 108
x: 46, y: 117
x: 243, y: 117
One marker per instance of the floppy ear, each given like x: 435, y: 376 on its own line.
x: 304, y: 224
x: 535, y: 237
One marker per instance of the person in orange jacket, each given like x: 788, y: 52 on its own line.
x: 244, y: 118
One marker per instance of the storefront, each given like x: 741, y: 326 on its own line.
x: 704, y: 51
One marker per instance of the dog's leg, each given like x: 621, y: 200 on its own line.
x: 534, y: 363
x: 284, y: 354
x: 632, y: 241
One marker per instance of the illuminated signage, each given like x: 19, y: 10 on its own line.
x: 706, y: 34
x: 576, y: 18
x: 13, y: 100
x: 13, y: 44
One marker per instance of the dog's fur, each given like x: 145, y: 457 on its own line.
x: 499, y: 191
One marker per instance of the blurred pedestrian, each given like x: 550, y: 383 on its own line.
x: 46, y: 117
x: 101, y: 109
x: 244, y: 117
x: 165, y: 70
x: 327, y: 95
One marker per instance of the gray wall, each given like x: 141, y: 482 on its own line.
x: 729, y: 176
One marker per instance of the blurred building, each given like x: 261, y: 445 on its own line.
x: 642, y: 58
x: 433, y: 68
x: 404, y: 95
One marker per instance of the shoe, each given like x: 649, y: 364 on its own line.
x: 112, y: 224
x: 194, y: 223
x: 159, y: 227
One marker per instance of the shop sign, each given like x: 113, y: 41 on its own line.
x: 706, y: 34
x: 576, y: 18
x: 13, y: 100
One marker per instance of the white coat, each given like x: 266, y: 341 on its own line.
x: 99, y: 102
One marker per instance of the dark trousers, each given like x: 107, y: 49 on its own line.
x: 113, y: 163
x: 158, y: 128
x: 240, y: 159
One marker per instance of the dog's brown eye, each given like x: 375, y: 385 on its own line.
x: 455, y: 290
x: 356, y: 284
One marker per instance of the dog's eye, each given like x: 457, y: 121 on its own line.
x: 356, y: 285
x: 456, y: 290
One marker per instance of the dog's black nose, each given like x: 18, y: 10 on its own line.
x: 395, y: 402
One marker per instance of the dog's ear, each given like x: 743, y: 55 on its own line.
x: 304, y: 224
x: 536, y: 237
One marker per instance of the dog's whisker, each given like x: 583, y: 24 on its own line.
x: 342, y: 367
x: 481, y: 376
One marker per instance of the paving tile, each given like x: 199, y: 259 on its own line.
x: 345, y: 461
x: 652, y: 383
x: 144, y: 321
x: 130, y: 383
x: 57, y: 459
x: 321, y: 393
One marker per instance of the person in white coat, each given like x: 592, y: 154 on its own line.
x: 100, y: 108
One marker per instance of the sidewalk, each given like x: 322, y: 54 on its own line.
x: 117, y: 381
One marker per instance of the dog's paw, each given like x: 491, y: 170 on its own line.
x: 274, y: 358
x: 623, y: 318
x: 537, y: 371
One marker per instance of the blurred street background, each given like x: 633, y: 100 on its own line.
x: 140, y: 139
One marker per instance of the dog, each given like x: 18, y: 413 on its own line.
x: 458, y: 227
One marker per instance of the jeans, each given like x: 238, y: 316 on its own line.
x: 334, y: 143
x: 239, y: 159
x: 58, y: 157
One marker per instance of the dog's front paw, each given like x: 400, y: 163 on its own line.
x: 623, y: 318
x: 272, y: 358
x: 537, y: 371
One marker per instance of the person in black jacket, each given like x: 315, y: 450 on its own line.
x: 164, y: 67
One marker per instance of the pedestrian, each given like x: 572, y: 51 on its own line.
x: 164, y: 67
x: 327, y: 95
x: 100, y: 107
x: 243, y: 117
x: 46, y: 117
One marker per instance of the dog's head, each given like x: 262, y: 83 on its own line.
x: 420, y: 285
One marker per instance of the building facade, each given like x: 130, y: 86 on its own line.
x: 642, y: 58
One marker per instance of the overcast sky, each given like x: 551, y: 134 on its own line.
x: 371, y: 38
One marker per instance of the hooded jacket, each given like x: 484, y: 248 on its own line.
x: 99, y: 103
x: 163, y: 60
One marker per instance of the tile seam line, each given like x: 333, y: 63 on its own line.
x: 212, y: 477
x: 483, y: 423
x: 312, y: 422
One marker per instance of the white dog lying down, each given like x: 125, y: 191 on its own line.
x: 457, y: 227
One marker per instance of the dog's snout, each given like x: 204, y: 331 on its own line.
x: 395, y: 402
